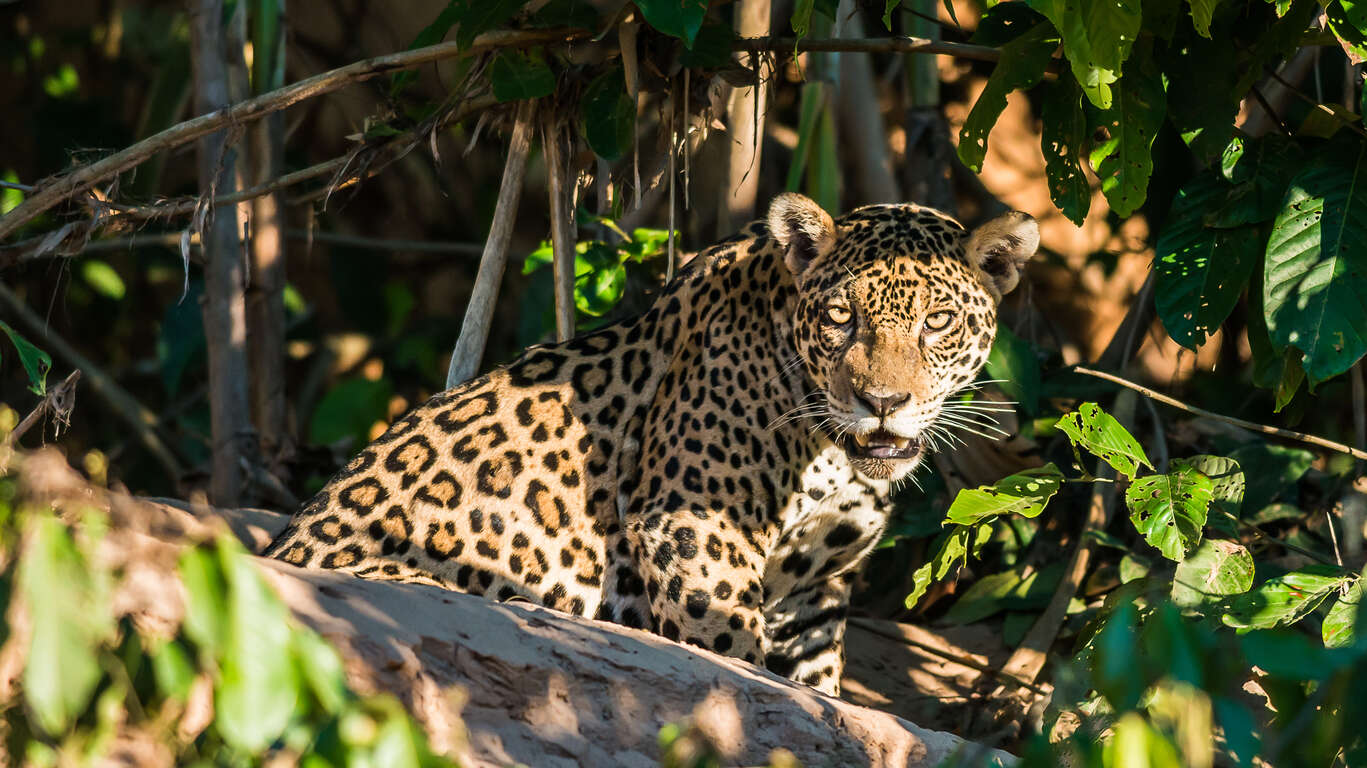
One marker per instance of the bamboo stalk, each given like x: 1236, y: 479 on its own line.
x: 479, y: 313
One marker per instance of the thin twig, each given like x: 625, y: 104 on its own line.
x: 1262, y: 428
x: 1348, y: 123
x: 899, y: 44
x: 1272, y: 113
x: 57, y: 401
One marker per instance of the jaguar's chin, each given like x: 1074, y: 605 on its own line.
x: 883, y: 455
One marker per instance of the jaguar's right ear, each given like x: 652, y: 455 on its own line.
x: 802, y: 229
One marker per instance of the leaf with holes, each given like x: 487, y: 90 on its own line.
x: 677, y: 18
x: 1201, y: 13
x: 1285, y: 599
x: 1097, y: 38
x: 1098, y: 433
x: 35, y: 361
x: 1124, y: 163
x: 1021, y: 66
x: 1217, y: 568
x: 1199, y: 271
x: 1315, y: 281
x: 519, y: 75
x: 1024, y: 493
x: 1224, y: 474
x: 1261, y: 169
x: 1347, y: 19
x: 1064, y: 133
x: 1170, y: 510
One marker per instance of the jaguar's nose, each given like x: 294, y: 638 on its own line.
x: 882, y: 405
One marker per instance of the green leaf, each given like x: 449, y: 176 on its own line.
x: 1200, y: 272
x: 1348, y: 21
x: 1010, y: 590
x: 1005, y: 22
x: 1114, y: 671
x: 1097, y: 38
x: 1241, y: 731
x: 520, y: 75
x: 35, y: 361
x: 1218, y: 567
x: 1201, y: 13
x: 1013, y: 363
x: 1170, y: 510
x: 68, y: 613
x: 173, y: 669
x: 824, y: 180
x: 1124, y: 163
x: 811, y: 104
x: 103, y: 279
x: 1022, y: 65
x: 1226, y: 477
x: 1025, y: 493
x: 1338, y: 629
x: 953, y: 550
x: 471, y: 17
x: 1098, y: 433
x: 1261, y: 170
x: 801, y: 20
x: 608, y: 115
x: 206, y: 603
x: 258, y: 686
x: 1284, y: 600
x: 1315, y: 286
x: 1064, y: 134
x: 677, y: 18
x: 321, y: 668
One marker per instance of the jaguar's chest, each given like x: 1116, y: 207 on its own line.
x: 828, y: 525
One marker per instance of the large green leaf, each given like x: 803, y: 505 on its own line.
x: 608, y: 115
x: 1269, y: 470
x: 1025, y: 493
x: 1218, y: 567
x: 1226, y: 476
x: 35, y: 361
x: 1315, y: 287
x: 1170, y: 510
x: 470, y: 18
x: 1124, y: 162
x: 68, y: 613
x: 258, y: 686
x: 1098, y: 433
x: 1260, y: 169
x: 520, y: 75
x: 1015, y: 589
x: 679, y: 18
x: 1199, y: 271
x: 1347, y: 19
x: 1064, y: 135
x: 1097, y: 38
x: 1021, y: 66
x: 1284, y: 599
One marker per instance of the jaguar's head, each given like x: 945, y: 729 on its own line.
x: 897, y: 310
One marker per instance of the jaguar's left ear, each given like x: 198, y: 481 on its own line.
x: 1000, y: 248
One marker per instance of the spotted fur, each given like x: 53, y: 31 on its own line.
x: 714, y: 469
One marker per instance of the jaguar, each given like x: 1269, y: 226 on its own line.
x: 713, y: 469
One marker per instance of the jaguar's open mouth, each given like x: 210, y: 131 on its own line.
x: 881, y: 444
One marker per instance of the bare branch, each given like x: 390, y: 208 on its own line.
x: 80, y: 180
x: 479, y: 313
x: 1261, y: 428
x: 562, y: 225
x: 58, y: 401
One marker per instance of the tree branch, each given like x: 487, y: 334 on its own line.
x: 81, y: 179
x: 1262, y: 428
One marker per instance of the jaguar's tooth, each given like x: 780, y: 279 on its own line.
x: 900, y: 442
x: 863, y: 439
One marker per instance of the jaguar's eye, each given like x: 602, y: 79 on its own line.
x: 938, y: 321
x: 838, y: 315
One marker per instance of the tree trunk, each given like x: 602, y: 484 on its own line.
x: 225, y: 311
x: 861, y: 123
x: 266, y: 293
x: 745, y: 124
x: 561, y: 191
